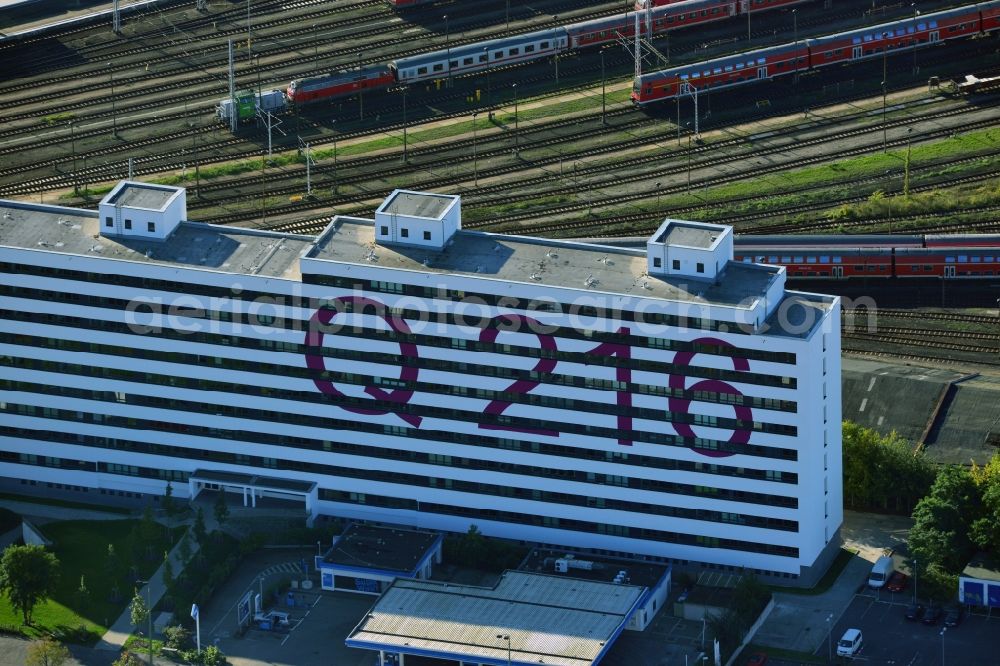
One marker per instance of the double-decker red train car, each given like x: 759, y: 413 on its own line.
x: 965, y: 256
x: 853, y: 45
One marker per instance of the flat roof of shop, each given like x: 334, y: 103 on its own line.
x: 550, y: 620
x: 389, y: 549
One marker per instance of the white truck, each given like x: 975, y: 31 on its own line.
x: 881, y: 571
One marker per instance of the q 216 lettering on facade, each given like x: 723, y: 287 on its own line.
x: 324, y: 316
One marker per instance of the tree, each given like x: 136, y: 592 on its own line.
x: 28, y: 575
x: 47, y: 652
x: 150, y: 532
x: 942, y: 521
x: 883, y: 473
x: 985, y: 531
x: 212, y: 656
x: 938, y: 584
x: 168, y: 571
x: 169, y: 506
x: 177, y: 637
x: 82, y: 594
x: 138, y: 611
x: 184, y: 549
x: 199, y: 527
x: 113, y: 567
x: 221, y: 510
x: 127, y: 659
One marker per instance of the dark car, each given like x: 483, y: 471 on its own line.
x: 757, y: 659
x: 914, y: 611
x: 953, y: 617
x: 931, y: 615
x: 897, y: 582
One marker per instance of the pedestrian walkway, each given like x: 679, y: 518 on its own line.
x: 114, y: 639
x: 284, y: 567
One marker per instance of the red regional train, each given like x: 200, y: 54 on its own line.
x: 855, y: 45
x: 481, y: 56
x: 959, y: 256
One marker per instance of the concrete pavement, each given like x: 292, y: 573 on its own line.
x: 799, y: 621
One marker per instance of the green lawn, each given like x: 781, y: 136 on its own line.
x: 82, y: 546
x: 8, y: 520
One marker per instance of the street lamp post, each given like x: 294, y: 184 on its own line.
x: 361, y: 93
x: 506, y: 637
x: 516, y: 138
x: 885, y: 80
x: 943, y: 630
x: 829, y: 638
x: 333, y: 125
x: 916, y: 13
x: 749, y: 3
x: 72, y: 132
x: 149, y: 614
x: 604, y: 105
x: 257, y: 59
x: 507, y: 14
x: 486, y: 52
x: 689, y: 189
x: 114, y: 115
x: 677, y: 101
x: 447, y: 46
x: 405, y: 88
x: 475, y: 154
x: 658, y: 194
x: 555, y: 58
x: 915, y: 563
x: 888, y: 200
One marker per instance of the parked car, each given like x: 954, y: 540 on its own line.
x: 880, y: 572
x: 757, y: 659
x: 931, y: 615
x: 915, y: 611
x: 897, y: 582
x: 953, y: 617
x: 850, y: 643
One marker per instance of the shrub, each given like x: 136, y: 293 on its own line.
x: 177, y: 637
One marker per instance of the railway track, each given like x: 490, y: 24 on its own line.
x: 474, y: 199
x: 932, y: 316
x: 211, y: 64
x: 917, y: 357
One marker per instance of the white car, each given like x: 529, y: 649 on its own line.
x: 850, y: 643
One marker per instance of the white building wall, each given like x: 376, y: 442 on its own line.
x: 812, y: 534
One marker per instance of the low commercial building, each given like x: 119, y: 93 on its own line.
x: 979, y: 584
x: 526, y: 618
x: 368, y: 559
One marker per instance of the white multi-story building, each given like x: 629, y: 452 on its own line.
x: 669, y: 403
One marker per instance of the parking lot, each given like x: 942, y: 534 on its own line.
x: 667, y: 641
x: 889, y: 638
x: 318, y: 621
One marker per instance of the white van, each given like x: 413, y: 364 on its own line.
x: 850, y: 643
x: 881, y: 571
